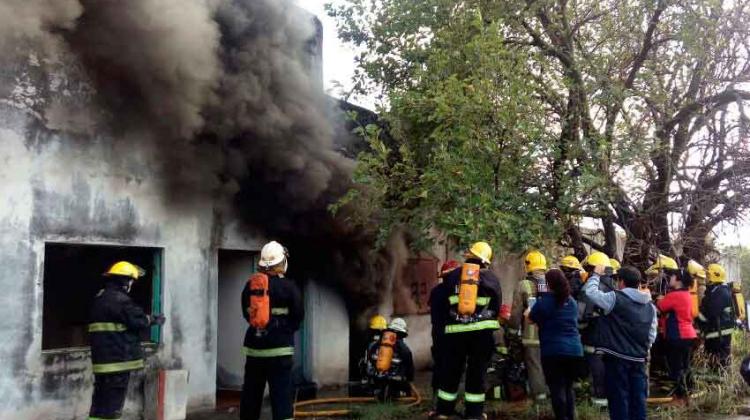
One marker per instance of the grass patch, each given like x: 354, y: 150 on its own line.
x: 386, y: 411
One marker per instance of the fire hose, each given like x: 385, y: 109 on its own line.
x: 412, y: 401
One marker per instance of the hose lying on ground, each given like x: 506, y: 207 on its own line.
x: 413, y: 401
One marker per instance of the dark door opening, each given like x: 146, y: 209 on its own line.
x: 235, y: 267
x: 73, y: 276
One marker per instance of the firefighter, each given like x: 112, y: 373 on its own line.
x: 472, y: 309
x: 272, y: 305
x: 717, y: 318
x: 524, y: 297
x: 115, y: 336
x: 392, y: 379
x: 588, y: 318
x: 438, y: 320
x: 572, y: 269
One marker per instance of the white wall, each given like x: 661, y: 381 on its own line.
x: 326, y: 333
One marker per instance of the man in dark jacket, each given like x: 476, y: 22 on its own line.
x: 468, y: 341
x: 717, y: 319
x: 624, y: 333
x: 269, y: 350
x: 115, y: 335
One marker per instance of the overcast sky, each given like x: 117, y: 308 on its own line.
x: 338, y: 67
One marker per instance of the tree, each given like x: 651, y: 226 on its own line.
x: 631, y: 112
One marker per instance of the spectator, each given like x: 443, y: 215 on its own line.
x: 624, y: 336
x: 556, y: 314
x: 677, y: 306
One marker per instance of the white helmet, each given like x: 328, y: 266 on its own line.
x: 398, y: 325
x: 272, y: 254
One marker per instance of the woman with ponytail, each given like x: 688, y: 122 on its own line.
x: 556, y: 314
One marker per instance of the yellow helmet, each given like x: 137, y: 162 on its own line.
x: 481, y: 250
x: 378, y: 322
x: 716, y: 273
x: 534, y: 261
x: 125, y: 269
x: 570, y: 261
x: 663, y: 263
x: 597, y: 258
x: 696, y: 270
x: 615, y: 265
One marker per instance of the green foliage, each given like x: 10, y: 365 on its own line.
x: 469, y: 149
x: 511, y: 120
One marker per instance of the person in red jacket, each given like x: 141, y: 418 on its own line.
x: 677, y: 308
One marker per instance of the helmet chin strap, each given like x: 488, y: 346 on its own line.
x: 129, y: 286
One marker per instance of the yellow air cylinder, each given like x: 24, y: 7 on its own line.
x: 468, y: 290
x: 694, y: 298
x: 385, y: 352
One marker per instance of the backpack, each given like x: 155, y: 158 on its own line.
x: 260, y: 302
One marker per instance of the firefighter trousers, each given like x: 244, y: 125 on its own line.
x: 470, y: 351
x: 277, y: 372
x: 719, y: 351
x: 533, y: 357
x: 109, y: 395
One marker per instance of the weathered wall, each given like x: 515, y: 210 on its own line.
x: 325, y: 336
x: 63, y: 179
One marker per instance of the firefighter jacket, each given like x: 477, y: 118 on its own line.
x: 527, y: 288
x: 717, y: 317
x: 287, y: 313
x: 403, y: 361
x: 487, y: 308
x: 116, y: 323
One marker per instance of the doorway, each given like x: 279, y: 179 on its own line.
x: 235, y: 267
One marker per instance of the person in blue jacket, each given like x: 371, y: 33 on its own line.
x: 556, y: 314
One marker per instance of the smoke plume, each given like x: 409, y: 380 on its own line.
x: 235, y: 74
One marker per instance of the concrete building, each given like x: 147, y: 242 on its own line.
x: 76, y: 199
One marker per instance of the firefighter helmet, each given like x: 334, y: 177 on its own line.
x: 447, y: 267
x: 663, y: 263
x: 696, y: 270
x: 535, y: 261
x: 398, y: 325
x: 481, y: 250
x: 125, y: 269
x: 272, y: 254
x: 716, y: 273
x: 572, y: 262
x: 378, y: 322
x: 597, y: 258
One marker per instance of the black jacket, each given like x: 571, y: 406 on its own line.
x: 438, y: 315
x: 116, y: 323
x: 283, y: 294
x: 405, y: 367
x: 717, y: 310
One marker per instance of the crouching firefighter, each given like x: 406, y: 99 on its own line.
x: 272, y: 305
x: 115, y: 336
x: 472, y: 316
x: 394, y: 365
